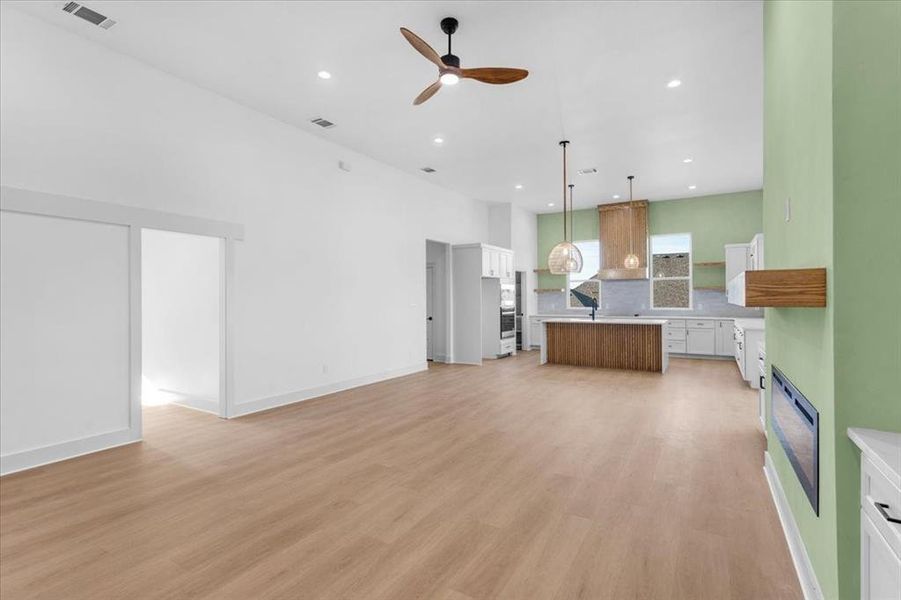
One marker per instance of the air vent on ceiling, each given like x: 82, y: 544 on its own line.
x: 324, y: 123
x: 427, y: 170
x: 590, y: 171
x: 91, y: 16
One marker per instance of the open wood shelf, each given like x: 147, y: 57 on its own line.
x: 541, y: 290
x: 714, y: 263
x: 545, y: 270
x: 785, y: 288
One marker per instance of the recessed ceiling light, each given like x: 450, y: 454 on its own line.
x: 674, y: 83
x: 691, y: 187
x: 518, y: 186
x: 688, y: 160
x: 550, y: 204
x: 324, y: 75
x: 439, y: 140
x: 590, y: 171
x: 616, y: 196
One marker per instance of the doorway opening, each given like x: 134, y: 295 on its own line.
x: 182, y: 292
x: 438, y: 301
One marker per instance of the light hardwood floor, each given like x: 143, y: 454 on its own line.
x: 510, y: 481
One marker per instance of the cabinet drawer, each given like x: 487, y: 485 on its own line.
x: 675, y: 334
x: 700, y: 323
x: 675, y: 346
x: 876, y: 488
x: 676, y: 324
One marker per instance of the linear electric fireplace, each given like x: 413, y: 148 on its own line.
x: 797, y: 425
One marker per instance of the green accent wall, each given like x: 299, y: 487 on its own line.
x: 713, y: 221
x: 798, y: 165
x: 833, y: 145
x: 866, y: 130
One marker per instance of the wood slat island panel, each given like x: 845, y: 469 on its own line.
x: 630, y: 346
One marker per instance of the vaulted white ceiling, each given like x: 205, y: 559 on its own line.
x: 599, y: 73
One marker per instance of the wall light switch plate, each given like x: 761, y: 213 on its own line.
x: 788, y: 209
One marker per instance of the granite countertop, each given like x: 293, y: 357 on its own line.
x: 611, y: 321
x: 881, y: 447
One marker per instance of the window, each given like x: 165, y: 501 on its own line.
x: 671, y: 271
x: 584, y: 288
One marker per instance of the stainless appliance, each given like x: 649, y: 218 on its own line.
x: 508, y: 310
x: 508, y: 323
x: 508, y: 296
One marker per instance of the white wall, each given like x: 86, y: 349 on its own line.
x: 329, y: 281
x: 180, y: 313
x: 64, y: 337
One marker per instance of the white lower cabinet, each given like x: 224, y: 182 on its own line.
x: 700, y: 341
x: 880, y: 567
x: 725, y: 337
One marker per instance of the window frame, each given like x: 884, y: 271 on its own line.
x: 690, y: 277
x: 568, y: 295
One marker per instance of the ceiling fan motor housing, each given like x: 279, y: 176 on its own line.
x: 451, y: 60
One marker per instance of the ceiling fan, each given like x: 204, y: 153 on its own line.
x: 449, y: 71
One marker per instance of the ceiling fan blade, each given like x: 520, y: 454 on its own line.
x: 427, y: 93
x: 422, y: 47
x: 494, y: 75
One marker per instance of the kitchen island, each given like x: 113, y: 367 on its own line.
x: 610, y: 343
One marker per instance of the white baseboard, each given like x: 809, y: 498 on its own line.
x: 253, y: 406
x: 806, y: 575
x: 29, y: 459
x: 199, y: 403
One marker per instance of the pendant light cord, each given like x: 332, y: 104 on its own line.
x: 564, y: 143
x: 630, y: 178
x: 571, y: 217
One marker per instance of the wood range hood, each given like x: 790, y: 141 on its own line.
x: 615, y: 222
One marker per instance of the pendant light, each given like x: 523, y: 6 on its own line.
x: 631, y: 261
x: 565, y: 257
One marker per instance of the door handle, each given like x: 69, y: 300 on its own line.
x: 762, y: 382
x: 881, y: 507
x: 429, y: 318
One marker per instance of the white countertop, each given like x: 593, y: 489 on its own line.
x: 881, y: 447
x: 750, y: 323
x: 611, y: 321
x: 587, y: 315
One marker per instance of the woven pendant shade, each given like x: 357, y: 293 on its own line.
x: 564, y: 258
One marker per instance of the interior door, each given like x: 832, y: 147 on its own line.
x: 429, y: 303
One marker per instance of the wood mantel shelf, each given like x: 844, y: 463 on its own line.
x: 780, y: 288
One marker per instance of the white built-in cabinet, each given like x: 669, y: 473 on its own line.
x: 736, y: 260
x: 880, y: 513
x: 701, y: 337
x: 478, y: 270
x: 724, y: 337
x: 497, y: 262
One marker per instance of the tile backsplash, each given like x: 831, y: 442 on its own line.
x: 626, y: 298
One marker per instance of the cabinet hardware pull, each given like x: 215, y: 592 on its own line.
x: 882, y: 508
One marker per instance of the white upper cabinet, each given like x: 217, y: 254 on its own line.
x: 497, y: 262
x: 736, y: 260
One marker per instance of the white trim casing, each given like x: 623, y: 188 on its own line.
x: 51, y: 205
x: 261, y: 404
x: 807, y: 577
